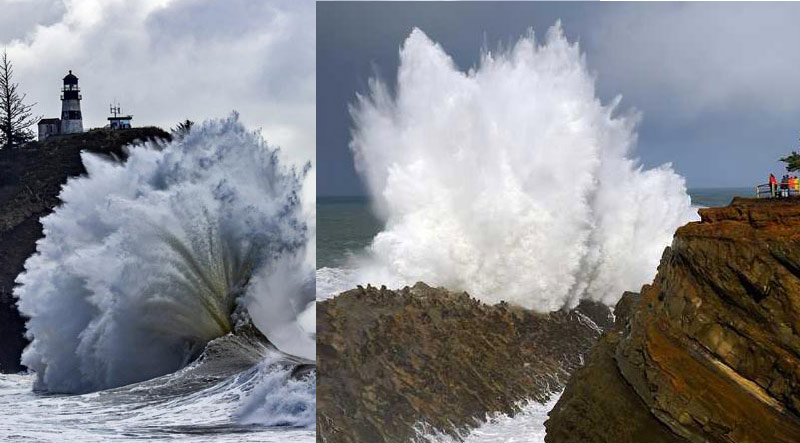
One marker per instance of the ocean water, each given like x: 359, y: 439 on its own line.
x: 162, y: 409
x: 345, y: 226
x: 706, y: 197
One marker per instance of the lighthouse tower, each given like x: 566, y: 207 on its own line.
x: 71, y: 120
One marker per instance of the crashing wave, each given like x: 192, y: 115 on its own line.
x: 147, y: 261
x: 511, y: 181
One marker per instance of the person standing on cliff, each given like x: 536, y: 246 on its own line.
x: 785, y: 185
x: 782, y: 185
x: 773, y: 185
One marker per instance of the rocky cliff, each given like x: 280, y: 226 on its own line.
x: 391, y: 360
x: 710, y: 352
x: 30, y: 181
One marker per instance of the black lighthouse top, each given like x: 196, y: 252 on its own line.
x: 70, y: 79
x: 70, y: 91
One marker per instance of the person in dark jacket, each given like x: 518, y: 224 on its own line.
x: 785, y: 186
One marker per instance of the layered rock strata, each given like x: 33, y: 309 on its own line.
x: 391, y: 362
x: 710, y: 352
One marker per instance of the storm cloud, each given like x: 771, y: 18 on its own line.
x: 716, y: 83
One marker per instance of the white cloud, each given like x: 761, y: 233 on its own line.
x: 167, y: 60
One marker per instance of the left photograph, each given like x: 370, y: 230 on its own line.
x: 157, y: 221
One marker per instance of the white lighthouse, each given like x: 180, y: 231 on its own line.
x: 71, y: 120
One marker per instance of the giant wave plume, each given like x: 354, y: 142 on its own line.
x: 511, y: 180
x: 147, y: 261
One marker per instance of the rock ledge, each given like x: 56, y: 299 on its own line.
x: 391, y: 360
x: 710, y: 352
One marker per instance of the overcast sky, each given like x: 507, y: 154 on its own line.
x: 168, y: 60
x: 718, y: 84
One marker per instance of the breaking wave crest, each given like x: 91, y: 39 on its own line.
x: 280, y: 400
x: 148, y: 260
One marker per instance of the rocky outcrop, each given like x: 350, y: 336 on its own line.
x: 710, y: 352
x: 392, y: 360
x: 30, y: 181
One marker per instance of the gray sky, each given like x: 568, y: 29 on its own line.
x: 718, y: 84
x: 168, y: 60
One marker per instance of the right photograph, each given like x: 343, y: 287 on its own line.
x: 558, y: 222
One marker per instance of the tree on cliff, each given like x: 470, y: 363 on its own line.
x: 792, y: 161
x: 16, y: 118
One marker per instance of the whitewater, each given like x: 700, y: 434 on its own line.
x: 526, y: 426
x: 510, y: 180
x: 211, y: 412
x: 172, y: 297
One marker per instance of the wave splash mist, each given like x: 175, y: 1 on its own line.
x: 147, y: 261
x: 512, y: 180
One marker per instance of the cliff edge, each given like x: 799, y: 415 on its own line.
x: 710, y: 352
x: 31, y: 177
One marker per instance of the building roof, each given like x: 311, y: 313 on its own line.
x: 46, y: 121
x: 70, y: 79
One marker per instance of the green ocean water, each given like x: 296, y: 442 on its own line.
x: 718, y: 196
x: 346, y: 225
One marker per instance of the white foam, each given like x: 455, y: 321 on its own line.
x: 134, y: 413
x: 142, y: 264
x: 278, y: 400
x: 511, y: 181
x: 332, y: 281
x: 527, y: 426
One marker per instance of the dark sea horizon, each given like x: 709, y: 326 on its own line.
x: 346, y: 224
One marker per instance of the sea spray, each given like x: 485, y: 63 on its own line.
x: 147, y: 260
x: 512, y: 180
x: 278, y: 399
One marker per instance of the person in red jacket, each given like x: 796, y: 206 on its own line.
x: 773, y: 185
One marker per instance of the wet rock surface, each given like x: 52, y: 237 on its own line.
x: 224, y: 357
x: 391, y: 360
x: 710, y: 352
x: 30, y: 180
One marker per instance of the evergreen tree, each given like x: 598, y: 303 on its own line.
x: 16, y: 118
x: 792, y: 161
